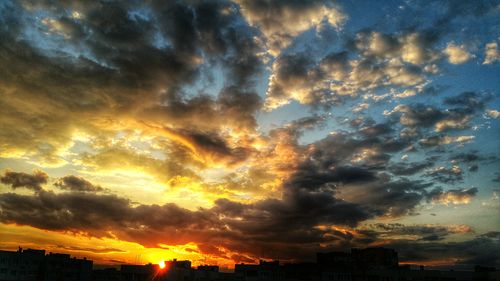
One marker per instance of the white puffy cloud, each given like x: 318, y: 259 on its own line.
x: 457, y: 54
x: 493, y: 113
x: 491, y: 53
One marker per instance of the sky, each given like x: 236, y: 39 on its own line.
x: 231, y: 131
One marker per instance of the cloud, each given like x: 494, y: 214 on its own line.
x: 136, y: 70
x: 116, y: 158
x: 90, y: 213
x: 467, y: 157
x: 411, y: 47
x: 482, y: 249
x: 426, y: 232
x: 330, y: 79
x: 75, y: 183
x: 385, y: 196
x: 307, y: 214
x: 444, y: 140
x: 281, y: 21
x: 446, y: 175
x: 417, y: 115
x: 457, y: 54
x: 453, y: 196
x: 376, y: 130
x: 464, y: 107
x: 293, y: 77
x: 227, y: 224
x: 91, y: 250
x: 468, y: 101
x: 493, y: 113
x: 360, y: 107
x: 491, y: 54
x: 211, y: 148
x: 406, y: 169
x: 19, y: 179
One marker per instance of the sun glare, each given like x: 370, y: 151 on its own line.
x: 162, y: 264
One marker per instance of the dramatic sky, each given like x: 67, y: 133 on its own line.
x: 227, y: 131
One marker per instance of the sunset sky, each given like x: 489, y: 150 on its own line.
x: 232, y: 131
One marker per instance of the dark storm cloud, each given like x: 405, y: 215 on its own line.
x: 463, y: 108
x: 270, y: 222
x: 446, y: 174
x: 472, y: 159
x: 18, y: 179
x: 348, y: 166
x: 95, y: 214
x: 473, y: 168
x: 309, y: 175
x: 233, y: 107
x: 376, y: 130
x: 468, y: 157
x: 482, y: 249
x: 290, y: 220
x: 419, y: 115
x: 47, y: 210
x: 77, y: 184
x: 387, y: 196
x: 470, y: 101
x: 288, y: 228
x: 406, y: 169
x: 210, y: 146
x: 215, y: 27
x: 239, y: 105
x: 307, y: 123
x: 292, y: 227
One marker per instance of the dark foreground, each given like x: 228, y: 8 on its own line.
x: 377, y: 264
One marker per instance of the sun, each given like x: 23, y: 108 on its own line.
x: 162, y: 264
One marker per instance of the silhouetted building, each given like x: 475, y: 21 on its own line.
x: 211, y: 268
x: 22, y: 265
x: 61, y: 267
x: 34, y: 265
x: 107, y: 274
x: 178, y: 264
x: 335, y: 260
x: 207, y: 273
x: 370, y: 264
x: 145, y: 272
x: 374, y: 258
x: 306, y: 271
x: 264, y: 271
x: 249, y: 272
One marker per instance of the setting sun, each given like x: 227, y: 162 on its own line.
x: 162, y: 264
